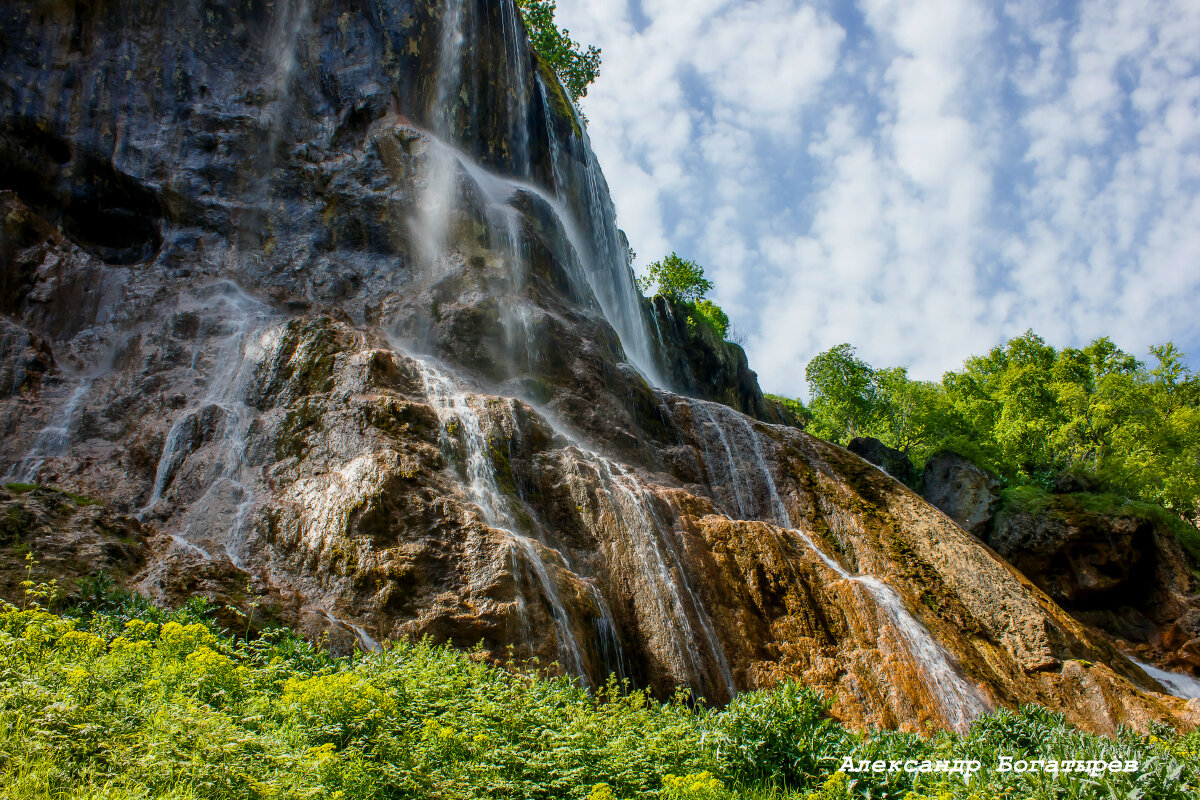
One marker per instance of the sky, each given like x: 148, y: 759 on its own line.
x: 922, y: 179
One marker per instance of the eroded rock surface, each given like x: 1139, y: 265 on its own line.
x: 70, y: 537
x: 1115, y: 565
x: 889, y: 459
x: 966, y: 493
x: 331, y: 299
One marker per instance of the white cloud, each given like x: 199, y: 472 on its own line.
x: 919, y: 178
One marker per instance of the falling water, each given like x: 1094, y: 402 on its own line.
x: 729, y: 432
x: 579, y: 197
x: 460, y: 424
x: 220, y: 416
x: 365, y: 640
x: 52, y: 440
x: 670, y: 597
x: 1176, y: 683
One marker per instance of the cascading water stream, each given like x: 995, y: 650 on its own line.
x: 365, y: 640
x: 960, y: 701
x: 669, y: 599
x: 460, y: 423
x: 52, y: 441
x: 1176, y: 683
x: 221, y: 417
x: 578, y: 198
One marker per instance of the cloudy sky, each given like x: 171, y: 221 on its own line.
x: 921, y: 178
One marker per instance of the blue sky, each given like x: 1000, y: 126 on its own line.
x: 921, y: 178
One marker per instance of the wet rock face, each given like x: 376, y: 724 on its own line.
x: 1124, y: 573
x: 966, y: 493
x: 331, y: 300
x: 702, y: 365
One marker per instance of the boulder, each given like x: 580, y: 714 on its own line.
x: 892, y: 461
x: 966, y: 493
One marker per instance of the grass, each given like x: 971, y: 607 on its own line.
x: 1035, y: 500
x: 118, y: 698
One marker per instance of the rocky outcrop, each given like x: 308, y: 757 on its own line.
x: 889, y: 459
x: 966, y: 493
x: 1116, y: 565
x: 332, y: 300
x: 702, y: 364
x: 69, y: 538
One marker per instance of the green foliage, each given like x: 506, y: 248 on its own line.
x: 676, y: 278
x: 715, y: 315
x: 127, y: 700
x: 575, y: 66
x: 843, y: 395
x: 1029, y: 412
x: 683, y: 281
x: 778, y: 737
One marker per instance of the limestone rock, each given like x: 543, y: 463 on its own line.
x: 1116, y: 565
x: 71, y: 537
x: 331, y: 300
x: 967, y: 494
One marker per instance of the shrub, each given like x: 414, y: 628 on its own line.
x: 101, y: 706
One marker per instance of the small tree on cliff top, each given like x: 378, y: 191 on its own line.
x: 576, y: 67
x: 684, y: 281
x: 676, y: 278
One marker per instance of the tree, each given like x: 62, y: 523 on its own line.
x: 676, y: 278
x: 842, y: 394
x: 575, y: 67
x: 683, y: 281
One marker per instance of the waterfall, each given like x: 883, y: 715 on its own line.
x: 220, y: 418
x: 52, y: 441
x: 667, y: 597
x: 728, y: 432
x: 1176, y: 683
x: 460, y: 425
x: 578, y: 195
x: 365, y: 640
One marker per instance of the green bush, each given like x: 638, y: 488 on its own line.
x: 575, y: 66
x: 125, y: 700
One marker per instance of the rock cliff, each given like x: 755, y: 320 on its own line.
x: 328, y: 301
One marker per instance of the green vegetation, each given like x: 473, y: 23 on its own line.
x: 1029, y: 412
x: 792, y: 406
x: 119, y: 699
x: 683, y: 281
x: 676, y: 278
x: 575, y: 67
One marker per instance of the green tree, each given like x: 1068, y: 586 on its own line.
x: 576, y: 66
x: 842, y: 394
x: 676, y: 278
x: 1028, y: 412
x: 683, y: 281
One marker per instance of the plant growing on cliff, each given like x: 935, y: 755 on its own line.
x: 683, y: 281
x: 676, y: 278
x: 576, y: 66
